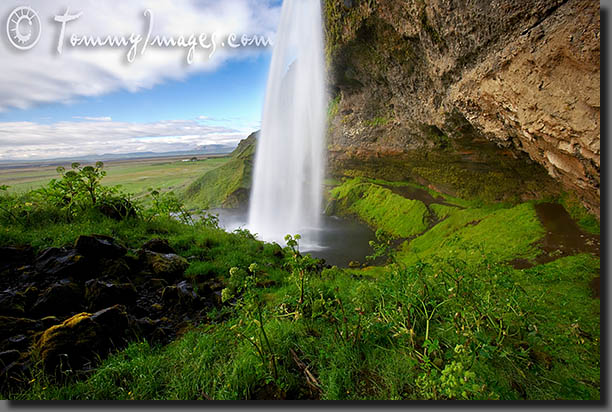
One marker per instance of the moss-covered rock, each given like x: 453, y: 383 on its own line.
x: 163, y: 265
x: 76, y: 341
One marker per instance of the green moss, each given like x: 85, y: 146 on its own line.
x: 333, y: 108
x: 341, y: 24
x: 441, y: 211
x: 501, y: 233
x: 381, y: 208
x: 377, y: 121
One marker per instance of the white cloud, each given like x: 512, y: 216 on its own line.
x: 35, y: 141
x: 41, y: 75
x: 94, y: 119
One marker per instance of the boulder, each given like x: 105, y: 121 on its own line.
x: 99, y: 247
x: 181, y: 295
x: 12, y: 326
x: 61, y: 262
x: 158, y: 246
x: 80, y: 339
x: 13, y: 257
x: 18, y: 342
x: 163, y: 265
x: 114, y: 269
x: 59, y: 299
x: 100, y: 294
x: 145, y: 326
x: 12, y: 303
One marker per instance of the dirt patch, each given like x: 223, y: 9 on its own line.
x: 563, y: 236
x: 424, y: 196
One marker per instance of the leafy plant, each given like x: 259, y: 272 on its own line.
x: 301, y: 266
x: 166, y: 204
x: 243, y: 283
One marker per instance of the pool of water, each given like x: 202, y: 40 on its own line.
x: 340, y: 242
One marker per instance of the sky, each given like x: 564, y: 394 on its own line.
x: 91, y: 100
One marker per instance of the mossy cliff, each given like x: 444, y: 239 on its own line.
x: 505, y: 93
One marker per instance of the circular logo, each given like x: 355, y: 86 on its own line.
x: 23, y: 28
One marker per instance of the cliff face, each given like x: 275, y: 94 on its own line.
x: 416, y: 76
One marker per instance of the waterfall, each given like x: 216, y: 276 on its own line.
x: 286, y: 197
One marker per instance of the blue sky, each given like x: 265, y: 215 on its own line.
x: 89, y: 100
x: 235, y: 91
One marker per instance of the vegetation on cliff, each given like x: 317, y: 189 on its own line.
x: 227, y: 185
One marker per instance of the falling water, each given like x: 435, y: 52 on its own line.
x: 289, y: 163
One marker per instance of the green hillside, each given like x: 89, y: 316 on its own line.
x: 225, y: 186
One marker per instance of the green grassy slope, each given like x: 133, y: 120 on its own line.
x: 227, y: 185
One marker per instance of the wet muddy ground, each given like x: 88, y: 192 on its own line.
x: 563, y: 235
x: 563, y: 238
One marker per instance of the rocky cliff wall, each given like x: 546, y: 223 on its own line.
x: 414, y: 76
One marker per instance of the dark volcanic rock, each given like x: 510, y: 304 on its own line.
x: 99, y: 247
x: 97, y: 273
x: 99, y: 294
x: 61, y: 263
x: 9, y: 356
x: 15, y: 256
x: 58, y: 299
x: 13, y: 326
x: 158, y: 246
x: 114, y: 269
x: 12, y: 303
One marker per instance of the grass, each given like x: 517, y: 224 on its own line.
x: 227, y: 185
x: 451, y: 320
x: 215, y: 187
x: 377, y: 121
x: 503, y: 334
x: 135, y: 176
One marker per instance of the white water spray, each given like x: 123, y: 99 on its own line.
x: 290, y: 158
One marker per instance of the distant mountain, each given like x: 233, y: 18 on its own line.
x: 202, y: 150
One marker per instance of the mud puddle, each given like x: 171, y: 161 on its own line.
x: 563, y: 238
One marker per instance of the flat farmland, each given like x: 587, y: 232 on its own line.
x: 135, y: 176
